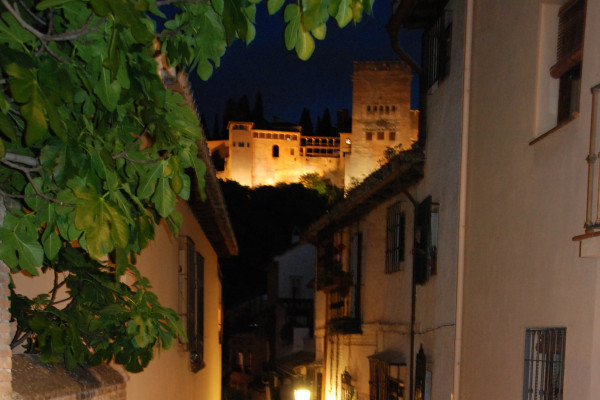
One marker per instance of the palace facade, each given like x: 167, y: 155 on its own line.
x: 280, y: 153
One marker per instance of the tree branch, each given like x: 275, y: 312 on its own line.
x: 123, y: 154
x: 27, y: 172
x: 21, y: 159
x: 55, y: 288
x: 32, y: 15
x: 70, y: 35
x: 15, y: 342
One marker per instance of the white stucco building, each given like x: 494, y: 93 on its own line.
x: 509, y: 110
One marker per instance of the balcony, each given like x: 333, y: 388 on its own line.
x: 342, y: 308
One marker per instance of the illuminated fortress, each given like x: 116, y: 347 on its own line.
x: 381, y: 118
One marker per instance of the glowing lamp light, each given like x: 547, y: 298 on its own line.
x: 301, y: 394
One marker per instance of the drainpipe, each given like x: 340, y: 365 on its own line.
x: 413, y: 302
x: 462, y: 201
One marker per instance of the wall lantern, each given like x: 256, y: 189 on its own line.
x: 301, y: 394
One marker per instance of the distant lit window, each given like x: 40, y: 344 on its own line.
x: 380, y: 135
x: 369, y: 135
x: 392, y: 136
x: 348, y: 141
x: 275, y: 151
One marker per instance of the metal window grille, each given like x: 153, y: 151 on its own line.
x: 544, y: 364
x: 347, y: 388
x: 382, y: 386
x: 395, y: 238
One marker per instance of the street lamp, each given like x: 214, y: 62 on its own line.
x: 302, y: 394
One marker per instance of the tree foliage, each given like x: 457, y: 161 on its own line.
x: 94, y: 152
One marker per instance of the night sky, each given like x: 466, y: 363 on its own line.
x: 288, y: 84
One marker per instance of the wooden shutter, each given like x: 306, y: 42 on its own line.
x: 420, y: 374
x: 569, y: 48
x: 422, y: 241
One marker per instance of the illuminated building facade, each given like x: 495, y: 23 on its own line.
x: 382, y: 119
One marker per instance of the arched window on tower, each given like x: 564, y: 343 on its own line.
x: 275, y: 151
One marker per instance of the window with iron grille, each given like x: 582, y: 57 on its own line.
x: 569, y: 53
x: 394, y: 238
x: 544, y: 363
x: 348, y: 390
x: 383, y: 386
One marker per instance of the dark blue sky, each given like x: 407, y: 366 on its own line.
x: 288, y: 84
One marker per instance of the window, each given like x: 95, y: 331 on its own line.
x: 369, y: 135
x: 384, y: 380
x: 240, y: 144
x: 436, y: 51
x: 291, y: 152
x: 275, y: 151
x: 368, y: 108
x: 559, y: 63
x: 392, y: 136
x: 394, y: 250
x: 569, y: 52
x: 191, y: 300
x: 348, y: 391
x: 380, y: 135
x: 422, y: 377
x: 355, y: 257
x: 425, y: 251
x: 544, y: 363
x: 295, y: 287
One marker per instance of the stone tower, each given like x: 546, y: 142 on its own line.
x: 381, y: 115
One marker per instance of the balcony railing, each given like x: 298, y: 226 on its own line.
x: 341, y: 310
